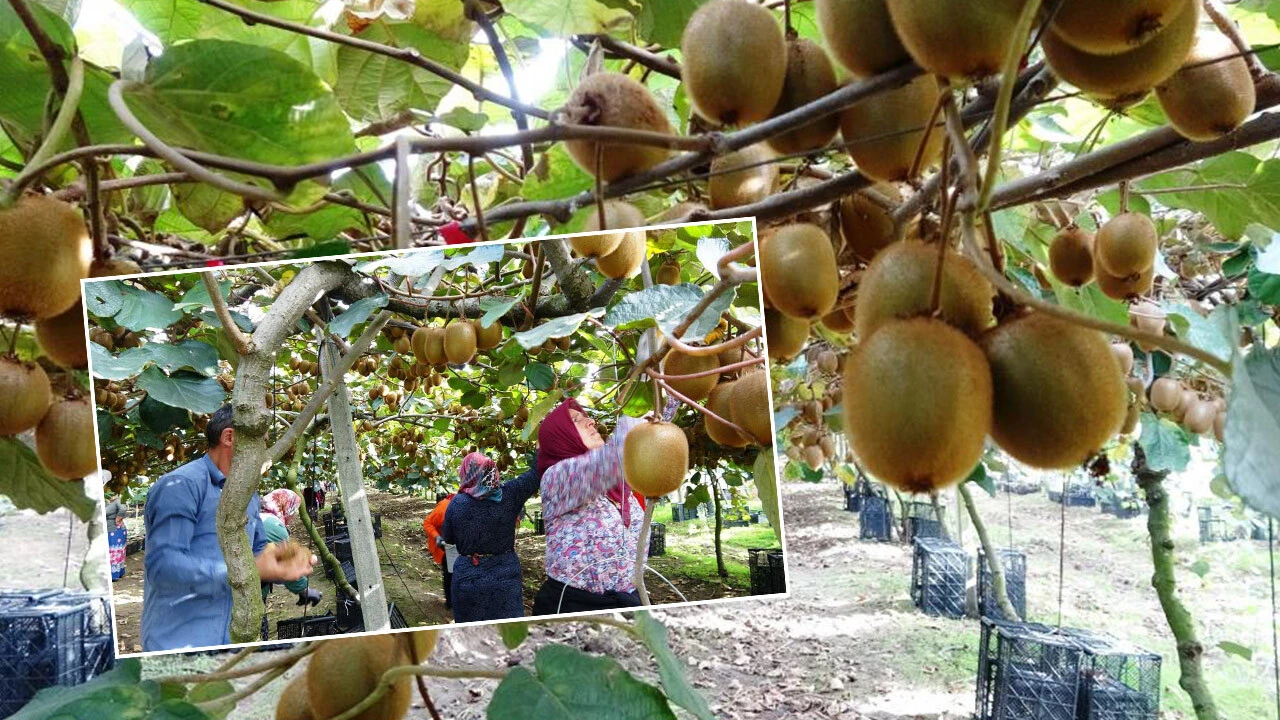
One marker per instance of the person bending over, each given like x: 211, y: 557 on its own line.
x: 592, y: 517
x: 186, y: 600
x: 481, y: 521
x: 279, y: 508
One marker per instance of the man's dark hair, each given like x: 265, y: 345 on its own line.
x: 219, y: 421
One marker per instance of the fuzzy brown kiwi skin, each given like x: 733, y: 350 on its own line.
x: 65, y: 441
x: 24, y: 395
x: 891, y: 155
x: 866, y: 226
x: 734, y: 61
x: 1059, y: 394
x: 45, y: 251
x: 1127, y: 24
x: 729, y: 186
x: 617, y: 214
x: 1210, y: 96
x: 678, y: 363
x: 1071, y: 256
x: 343, y: 672
x: 798, y: 266
x: 861, y: 35
x: 1129, y: 288
x: 625, y: 261
x: 953, y: 39
x: 609, y: 99
x: 810, y: 76
x: 749, y: 406
x: 718, y: 402
x: 899, y: 284
x: 787, y: 335
x: 62, y: 338
x: 1126, y: 245
x: 1127, y: 74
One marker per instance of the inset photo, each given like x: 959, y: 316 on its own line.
x: 435, y: 436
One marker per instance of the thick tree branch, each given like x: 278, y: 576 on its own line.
x: 238, y: 339
x: 574, y: 282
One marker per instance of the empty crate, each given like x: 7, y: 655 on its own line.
x: 657, y: 539
x: 768, y: 574
x: 939, y: 573
x: 1014, y: 564
x: 875, y: 519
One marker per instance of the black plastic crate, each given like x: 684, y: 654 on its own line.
x: 99, y: 656
x: 340, y: 546
x: 1055, y: 497
x: 1213, y: 530
x: 768, y: 572
x: 657, y: 539
x: 758, y: 517
x: 875, y: 519
x: 348, y: 570
x: 539, y: 525
x: 852, y: 499
x: 29, y: 595
x: 1014, y: 564
x: 309, y: 626
x: 921, y: 527
x: 1028, y: 671
x: 939, y: 573
x: 350, y: 616
x: 741, y: 520
x: 397, y: 617
x: 40, y: 646
x: 680, y: 513
x: 97, y: 615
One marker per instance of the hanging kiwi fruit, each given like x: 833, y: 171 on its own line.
x: 1106, y: 27
x: 866, y: 224
x: 885, y: 132
x: 957, y: 40
x: 45, y: 251
x: 860, y: 35
x: 1125, y: 245
x: 655, y: 457
x: 679, y: 363
x: 610, y: 99
x: 798, y: 270
x: 734, y: 61
x: 809, y: 77
x: 899, y: 284
x: 1212, y: 94
x: 1071, y: 256
x: 742, y: 177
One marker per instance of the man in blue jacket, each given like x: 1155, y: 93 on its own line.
x: 186, y: 597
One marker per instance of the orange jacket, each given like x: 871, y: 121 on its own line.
x: 431, y: 525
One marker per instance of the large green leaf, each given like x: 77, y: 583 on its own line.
x: 161, y: 418
x: 331, y: 219
x: 25, y: 481
x: 186, y: 355
x: 356, y: 313
x: 243, y: 101
x: 513, y: 634
x: 670, y: 668
x: 1167, y: 445
x: 1251, y: 451
x: 143, y: 309
x: 1210, y: 334
x: 666, y: 306
x: 174, y: 21
x: 1244, y: 190
x: 116, y: 367
x: 376, y: 87
x: 571, y: 684
x: 555, y: 328
x: 49, y: 702
x: 662, y: 21
x: 104, y: 298
x: 1264, y: 286
x: 766, y: 479
x: 206, y: 206
x: 556, y: 17
x: 25, y: 80
x: 540, y: 376
x: 495, y: 307
x: 183, y: 389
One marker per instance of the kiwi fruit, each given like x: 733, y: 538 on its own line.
x: 669, y: 273
x: 403, y: 345
x: 879, y: 136
x: 617, y: 214
x: 860, y: 35
x: 1071, y: 256
x: 787, y: 335
x: 809, y: 77
x: 1125, y: 245
x: 1058, y: 390
x: 433, y: 346
x: 1213, y: 94
x: 343, y: 672
x: 1107, y: 27
x: 625, y: 261
x: 62, y: 338
x: 418, y: 344
x: 1127, y: 288
x: 1199, y: 417
x: 655, y: 456
x: 460, y: 342
x: 488, y: 337
x: 956, y: 40
x: 45, y: 250
x: 917, y: 404
x: 1129, y: 73
x: 734, y: 61
x: 678, y: 363
x: 798, y: 270
x: 1124, y: 356
x: 1166, y: 394
x: 611, y: 99
x: 419, y: 644
x: 718, y: 402
x: 899, y: 284
x: 866, y: 226
x: 742, y: 177
x: 838, y: 321
x: 65, y: 439
x: 295, y: 703
x: 749, y: 406
x: 813, y: 457
x: 112, y: 267
x: 24, y: 395
x: 1147, y: 317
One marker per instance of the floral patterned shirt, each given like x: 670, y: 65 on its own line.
x: 588, y: 547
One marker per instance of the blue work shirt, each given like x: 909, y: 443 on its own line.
x: 186, y: 599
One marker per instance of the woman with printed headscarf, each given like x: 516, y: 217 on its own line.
x: 592, y: 516
x: 278, y: 509
x: 481, y: 523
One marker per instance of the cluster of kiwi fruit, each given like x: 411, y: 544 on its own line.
x: 1120, y: 257
x: 343, y: 672
x: 1198, y: 414
x: 110, y: 396
x: 741, y: 397
x: 617, y: 255
x: 552, y: 345
x: 305, y: 367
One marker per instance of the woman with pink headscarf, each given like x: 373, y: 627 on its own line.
x: 592, y: 517
x: 277, y: 510
x: 481, y: 523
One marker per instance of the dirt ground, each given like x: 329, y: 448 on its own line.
x: 848, y: 643
x: 36, y: 554
x: 413, y: 581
